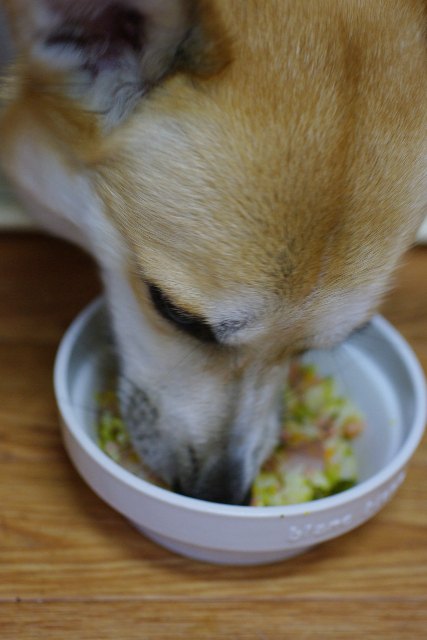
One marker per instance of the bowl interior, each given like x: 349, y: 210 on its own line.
x: 368, y: 368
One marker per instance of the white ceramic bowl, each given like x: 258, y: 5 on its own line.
x: 376, y: 368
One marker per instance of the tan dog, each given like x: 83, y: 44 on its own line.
x: 246, y: 173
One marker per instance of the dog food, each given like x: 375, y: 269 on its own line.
x: 314, y: 458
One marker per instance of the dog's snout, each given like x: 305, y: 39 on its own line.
x: 202, y: 475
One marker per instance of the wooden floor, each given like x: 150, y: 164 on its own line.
x: 72, y: 568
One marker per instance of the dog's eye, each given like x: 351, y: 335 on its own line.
x: 193, y: 325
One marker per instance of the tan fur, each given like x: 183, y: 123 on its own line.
x: 306, y: 175
x: 279, y: 171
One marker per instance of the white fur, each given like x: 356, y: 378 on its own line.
x: 58, y: 200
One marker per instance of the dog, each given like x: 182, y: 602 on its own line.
x: 247, y: 175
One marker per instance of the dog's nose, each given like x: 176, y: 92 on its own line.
x: 221, y: 482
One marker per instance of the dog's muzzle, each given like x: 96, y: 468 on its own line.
x: 216, y: 478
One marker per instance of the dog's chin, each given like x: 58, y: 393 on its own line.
x: 219, y: 482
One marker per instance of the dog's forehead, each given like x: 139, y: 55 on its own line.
x: 215, y: 196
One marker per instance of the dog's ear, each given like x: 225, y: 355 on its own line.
x: 111, y: 52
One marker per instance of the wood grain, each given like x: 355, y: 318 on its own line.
x: 70, y: 567
x: 214, y: 619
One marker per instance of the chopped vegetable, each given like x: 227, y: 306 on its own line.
x: 314, y: 458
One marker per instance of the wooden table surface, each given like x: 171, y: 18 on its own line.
x: 72, y: 568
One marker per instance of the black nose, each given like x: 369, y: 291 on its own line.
x: 219, y: 483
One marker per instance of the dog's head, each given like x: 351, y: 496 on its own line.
x: 247, y: 176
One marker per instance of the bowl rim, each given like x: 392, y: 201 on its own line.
x: 125, y: 477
